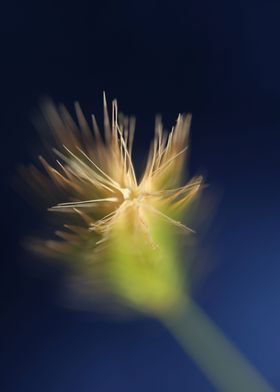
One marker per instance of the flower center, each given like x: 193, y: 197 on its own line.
x: 129, y: 194
x: 126, y: 193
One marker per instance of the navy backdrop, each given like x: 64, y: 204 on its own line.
x: 219, y: 60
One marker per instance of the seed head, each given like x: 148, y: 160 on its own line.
x: 119, y: 234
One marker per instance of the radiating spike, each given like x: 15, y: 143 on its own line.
x: 85, y: 129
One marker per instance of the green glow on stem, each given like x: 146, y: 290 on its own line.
x: 146, y: 275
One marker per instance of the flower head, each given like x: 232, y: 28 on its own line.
x: 118, y: 232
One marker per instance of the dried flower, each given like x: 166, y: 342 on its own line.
x: 119, y: 232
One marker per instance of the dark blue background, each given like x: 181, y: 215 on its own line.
x: 219, y: 60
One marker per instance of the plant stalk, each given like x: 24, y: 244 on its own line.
x: 224, y: 366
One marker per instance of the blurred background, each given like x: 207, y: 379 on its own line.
x: 219, y: 60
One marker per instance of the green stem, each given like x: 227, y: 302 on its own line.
x: 218, y: 359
